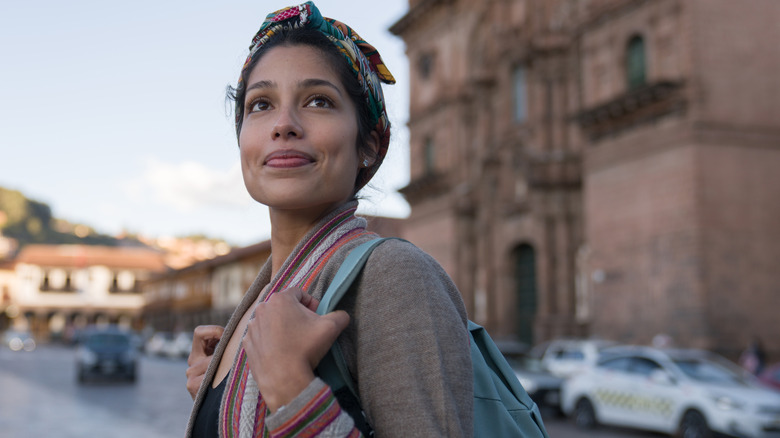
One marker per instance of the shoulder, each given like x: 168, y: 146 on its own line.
x: 399, y: 276
x: 395, y: 263
x: 392, y: 256
x: 400, y: 257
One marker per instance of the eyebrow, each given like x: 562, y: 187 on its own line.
x: 306, y: 83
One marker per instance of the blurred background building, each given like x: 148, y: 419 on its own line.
x: 55, y: 289
x: 600, y: 167
x: 206, y: 292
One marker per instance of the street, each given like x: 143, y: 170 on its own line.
x: 558, y: 427
x: 40, y: 397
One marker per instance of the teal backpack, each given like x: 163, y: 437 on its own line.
x: 502, y: 408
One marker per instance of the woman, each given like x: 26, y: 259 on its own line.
x: 312, y: 129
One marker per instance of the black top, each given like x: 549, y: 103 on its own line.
x: 207, y: 421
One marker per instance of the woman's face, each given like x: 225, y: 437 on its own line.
x: 299, y: 133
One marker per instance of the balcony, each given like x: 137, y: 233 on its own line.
x: 633, y: 108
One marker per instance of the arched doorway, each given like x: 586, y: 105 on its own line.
x: 525, y: 292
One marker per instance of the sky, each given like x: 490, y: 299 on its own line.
x: 114, y: 113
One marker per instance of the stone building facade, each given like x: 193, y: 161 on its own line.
x: 600, y: 167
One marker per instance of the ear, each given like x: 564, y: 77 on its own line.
x: 373, y: 144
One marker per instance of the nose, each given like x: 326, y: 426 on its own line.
x: 287, y: 126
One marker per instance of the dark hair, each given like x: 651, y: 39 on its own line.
x: 314, y: 38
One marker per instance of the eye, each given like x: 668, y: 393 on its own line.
x: 259, y: 105
x: 319, y: 101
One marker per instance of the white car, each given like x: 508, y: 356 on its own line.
x: 566, y: 357
x: 158, y: 343
x: 692, y: 393
x: 167, y: 344
x: 179, y: 346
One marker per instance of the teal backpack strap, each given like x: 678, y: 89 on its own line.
x: 333, y: 367
x: 346, y: 274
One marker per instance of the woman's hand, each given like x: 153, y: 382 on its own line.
x: 204, y: 341
x: 285, y: 341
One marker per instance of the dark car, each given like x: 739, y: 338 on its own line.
x: 108, y: 353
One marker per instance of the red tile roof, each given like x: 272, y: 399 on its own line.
x: 86, y: 255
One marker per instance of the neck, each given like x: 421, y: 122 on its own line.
x: 288, y: 228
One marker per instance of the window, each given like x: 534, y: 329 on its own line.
x: 520, y: 94
x: 636, y: 63
x: 57, y: 280
x: 124, y: 282
x: 615, y: 364
x: 709, y: 371
x: 643, y: 366
x: 429, y: 156
x: 425, y: 65
x: 570, y: 355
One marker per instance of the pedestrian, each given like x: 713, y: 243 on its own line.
x: 753, y: 358
x: 662, y: 340
x: 312, y: 130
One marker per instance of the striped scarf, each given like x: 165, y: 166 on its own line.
x: 243, y: 413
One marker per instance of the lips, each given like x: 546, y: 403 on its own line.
x: 288, y: 158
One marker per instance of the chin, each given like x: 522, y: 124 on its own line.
x: 292, y: 196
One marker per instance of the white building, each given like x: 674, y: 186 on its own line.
x: 59, y: 287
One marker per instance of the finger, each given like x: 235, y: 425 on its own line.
x: 210, y: 346
x: 193, y: 385
x: 199, y: 367
x: 310, y: 302
x: 195, y: 375
x: 204, y: 340
x: 294, y: 292
x: 339, y: 318
x: 208, y: 332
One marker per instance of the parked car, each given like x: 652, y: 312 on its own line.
x: 771, y: 376
x: 18, y: 340
x: 170, y: 345
x: 178, y: 347
x: 106, y: 352
x: 543, y: 387
x: 157, y: 343
x: 689, y: 392
x: 566, y: 357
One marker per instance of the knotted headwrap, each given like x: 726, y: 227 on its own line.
x: 362, y: 57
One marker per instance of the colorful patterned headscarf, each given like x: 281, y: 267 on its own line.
x: 362, y: 57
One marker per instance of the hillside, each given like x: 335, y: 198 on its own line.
x: 28, y: 221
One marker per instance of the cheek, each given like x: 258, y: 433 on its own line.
x: 247, y: 145
x: 242, y: 139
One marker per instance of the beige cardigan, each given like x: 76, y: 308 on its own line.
x: 406, y: 346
